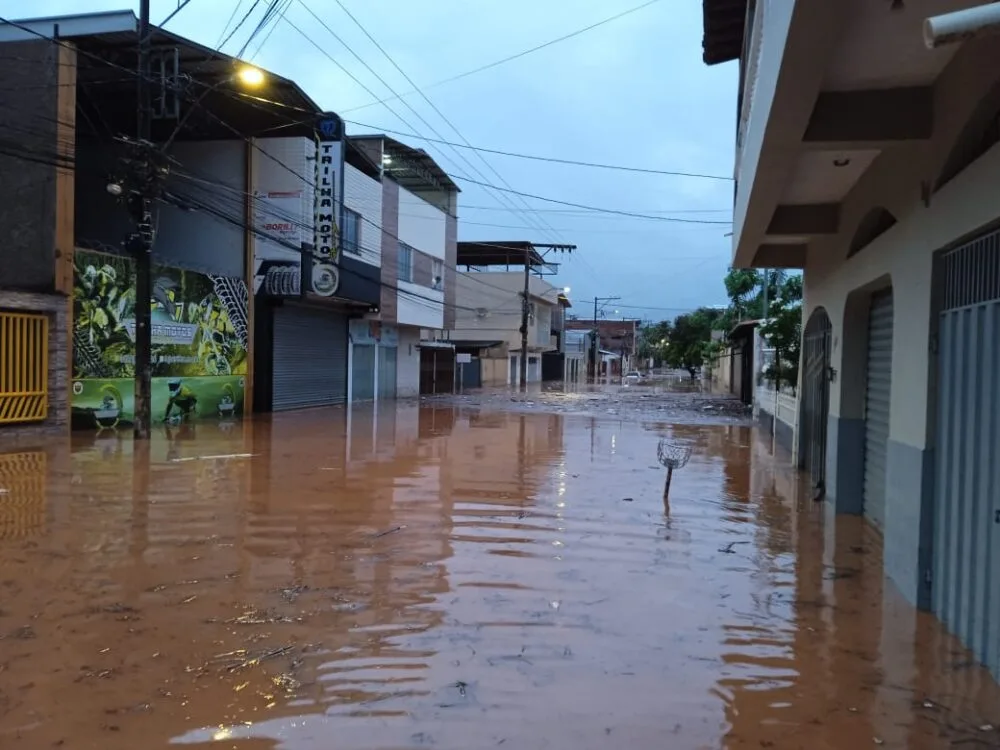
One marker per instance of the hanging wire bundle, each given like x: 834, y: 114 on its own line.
x: 672, y: 456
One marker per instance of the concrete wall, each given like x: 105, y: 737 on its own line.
x: 499, y: 294
x: 197, y: 239
x: 902, y: 258
x: 363, y: 195
x: 767, y: 46
x: 421, y: 225
x: 390, y: 247
x: 28, y: 186
x: 419, y: 305
x: 408, y: 362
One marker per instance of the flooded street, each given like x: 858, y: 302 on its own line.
x: 455, y: 576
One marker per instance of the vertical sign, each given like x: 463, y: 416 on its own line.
x: 329, y: 168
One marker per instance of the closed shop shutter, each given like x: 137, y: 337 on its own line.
x: 878, y: 391
x: 387, y: 372
x: 966, y: 543
x: 310, y: 358
x: 363, y: 372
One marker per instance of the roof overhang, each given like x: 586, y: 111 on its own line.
x: 724, y: 22
x: 834, y: 86
x: 409, y: 167
x: 108, y: 44
x: 499, y: 253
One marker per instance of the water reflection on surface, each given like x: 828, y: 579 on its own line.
x: 407, y: 577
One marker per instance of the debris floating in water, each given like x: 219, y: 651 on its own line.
x: 222, y: 457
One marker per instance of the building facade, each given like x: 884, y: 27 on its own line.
x: 251, y: 295
x: 489, y: 312
x: 419, y: 234
x: 616, y: 338
x: 867, y: 155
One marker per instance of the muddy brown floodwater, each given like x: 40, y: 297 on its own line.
x: 437, y: 577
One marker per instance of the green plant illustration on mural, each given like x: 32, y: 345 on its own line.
x: 186, y: 304
x: 103, y: 300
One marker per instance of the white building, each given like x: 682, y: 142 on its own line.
x: 416, y: 240
x: 871, y: 161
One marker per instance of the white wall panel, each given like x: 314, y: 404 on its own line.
x: 364, y: 195
x: 408, y: 363
x: 419, y: 306
x: 421, y: 225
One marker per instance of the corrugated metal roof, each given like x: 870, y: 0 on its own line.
x: 724, y: 22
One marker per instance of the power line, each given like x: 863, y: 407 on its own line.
x: 181, y: 6
x: 598, y: 208
x: 550, y: 159
x: 272, y: 11
x: 238, y: 26
x: 588, y: 213
x: 440, y: 114
x: 509, y: 58
x: 321, y: 22
x: 465, y: 178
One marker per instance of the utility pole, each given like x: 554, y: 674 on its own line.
x: 529, y: 260
x: 525, y: 310
x: 142, y: 242
x: 597, y: 332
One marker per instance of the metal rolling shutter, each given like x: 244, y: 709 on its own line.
x: 878, y: 390
x: 966, y: 578
x: 387, y: 372
x: 310, y: 358
x: 363, y: 372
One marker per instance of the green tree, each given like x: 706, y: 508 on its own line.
x: 783, y: 331
x: 690, y: 342
x: 653, y: 340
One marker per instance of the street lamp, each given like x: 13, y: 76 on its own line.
x: 251, y: 76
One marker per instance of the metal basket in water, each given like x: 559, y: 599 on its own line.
x: 673, y: 456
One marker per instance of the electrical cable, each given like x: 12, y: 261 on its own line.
x: 498, y: 197
x: 181, y: 6
x: 238, y: 26
x: 270, y: 13
x: 598, y: 209
x: 461, y: 177
x: 541, y: 220
x: 135, y: 73
x: 549, y: 159
x: 509, y: 58
x: 234, y: 218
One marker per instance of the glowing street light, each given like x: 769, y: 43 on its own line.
x: 251, y: 76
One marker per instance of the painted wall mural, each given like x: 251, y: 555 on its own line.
x: 199, y: 357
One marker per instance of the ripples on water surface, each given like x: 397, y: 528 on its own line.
x: 453, y: 580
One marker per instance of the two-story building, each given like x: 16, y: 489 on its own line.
x: 417, y: 235
x: 868, y: 155
x: 489, y: 311
x: 250, y: 296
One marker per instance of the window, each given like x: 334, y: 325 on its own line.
x: 404, y: 271
x: 351, y: 238
x: 437, y: 275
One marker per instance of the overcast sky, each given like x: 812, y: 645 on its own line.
x: 631, y: 92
